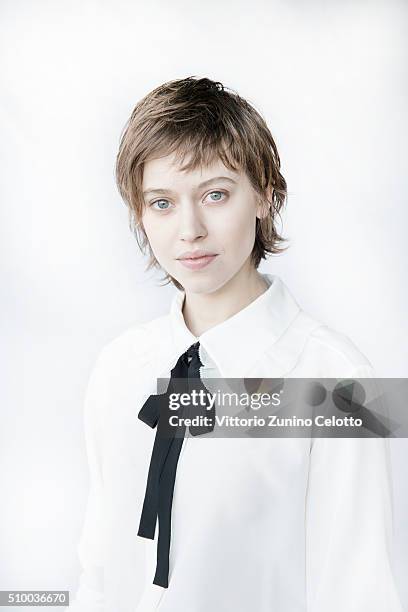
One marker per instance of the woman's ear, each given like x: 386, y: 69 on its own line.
x: 265, y: 204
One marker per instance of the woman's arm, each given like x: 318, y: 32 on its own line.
x: 349, y: 526
x: 89, y: 596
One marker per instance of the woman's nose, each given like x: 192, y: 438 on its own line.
x: 191, y: 225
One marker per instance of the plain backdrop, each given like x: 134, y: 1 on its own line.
x: 330, y: 79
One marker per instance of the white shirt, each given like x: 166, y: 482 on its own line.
x: 265, y: 525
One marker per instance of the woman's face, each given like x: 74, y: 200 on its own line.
x: 212, y: 209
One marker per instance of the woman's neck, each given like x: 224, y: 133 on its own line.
x: 202, y: 311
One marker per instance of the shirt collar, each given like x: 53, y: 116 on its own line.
x: 236, y: 343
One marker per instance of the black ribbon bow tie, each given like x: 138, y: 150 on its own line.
x: 166, y: 451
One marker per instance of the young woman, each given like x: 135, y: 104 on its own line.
x: 289, y: 524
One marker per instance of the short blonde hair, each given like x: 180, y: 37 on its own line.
x: 201, y: 120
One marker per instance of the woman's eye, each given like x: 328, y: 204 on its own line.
x: 216, y: 196
x: 160, y: 202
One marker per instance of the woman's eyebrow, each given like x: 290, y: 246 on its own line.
x: 200, y: 186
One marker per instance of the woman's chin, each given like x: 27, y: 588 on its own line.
x: 197, y: 283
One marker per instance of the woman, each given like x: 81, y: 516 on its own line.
x: 289, y: 524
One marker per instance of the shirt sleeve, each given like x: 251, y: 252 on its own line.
x: 89, y: 596
x: 349, y: 525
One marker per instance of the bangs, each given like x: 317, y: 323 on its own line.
x: 194, y: 149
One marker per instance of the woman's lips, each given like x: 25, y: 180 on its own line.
x: 198, y: 262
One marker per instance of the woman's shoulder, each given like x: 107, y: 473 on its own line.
x: 136, y: 344
x: 119, y: 371
x: 331, y: 351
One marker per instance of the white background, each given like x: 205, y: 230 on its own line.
x: 330, y: 79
